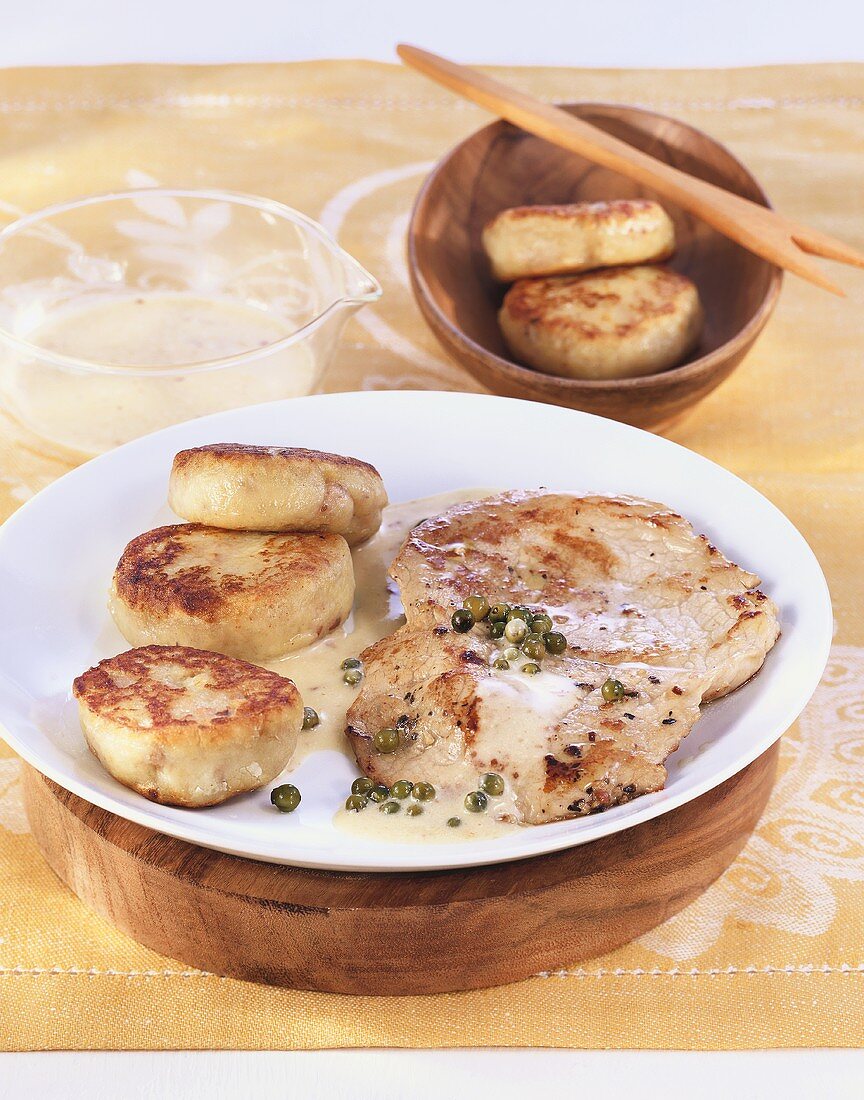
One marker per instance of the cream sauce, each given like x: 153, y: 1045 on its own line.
x: 93, y: 412
x: 316, y: 672
x: 158, y: 330
x: 431, y: 826
x: 518, y: 712
x: 377, y: 612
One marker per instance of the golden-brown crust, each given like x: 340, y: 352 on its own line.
x: 110, y: 687
x: 537, y: 241
x: 254, y: 488
x: 549, y: 302
x: 238, y: 452
x: 144, y: 581
x: 594, y: 212
x: 618, y: 322
x: 188, y: 727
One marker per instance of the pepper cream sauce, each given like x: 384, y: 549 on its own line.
x: 316, y: 672
x: 158, y: 330
x: 140, y: 337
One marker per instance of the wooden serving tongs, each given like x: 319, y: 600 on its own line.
x: 759, y: 229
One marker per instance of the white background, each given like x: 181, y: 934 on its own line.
x: 674, y: 33
x: 642, y: 33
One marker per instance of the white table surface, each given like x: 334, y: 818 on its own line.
x: 673, y: 33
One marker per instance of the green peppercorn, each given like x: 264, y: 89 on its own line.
x: 285, y: 798
x: 534, y: 647
x: 511, y: 653
x: 362, y: 785
x: 498, y: 612
x: 492, y: 783
x: 352, y: 676
x: 423, y: 792
x: 356, y: 803
x: 476, y: 802
x: 387, y: 740
x: 541, y: 623
x: 500, y: 664
x: 413, y: 810
x: 401, y: 788
x: 379, y: 793
x: 516, y: 630
x: 462, y: 620
x: 522, y: 613
x: 310, y: 718
x: 478, y: 606
x: 531, y: 668
x: 389, y: 808
x: 496, y: 629
x: 351, y: 662
x: 555, y: 642
x: 612, y: 690
x: 454, y: 822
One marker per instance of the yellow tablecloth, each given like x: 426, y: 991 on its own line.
x: 772, y: 955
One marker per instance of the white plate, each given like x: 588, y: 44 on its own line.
x: 58, y: 552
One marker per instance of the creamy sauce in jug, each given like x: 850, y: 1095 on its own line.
x: 138, y: 338
x: 158, y: 330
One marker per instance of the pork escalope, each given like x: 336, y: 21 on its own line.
x: 562, y: 749
x: 640, y: 598
x: 624, y: 579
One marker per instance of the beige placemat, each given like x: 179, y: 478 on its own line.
x: 771, y: 955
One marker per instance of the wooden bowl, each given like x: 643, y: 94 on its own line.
x: 502, y: 166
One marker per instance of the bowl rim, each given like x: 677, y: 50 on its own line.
x: 368, y: 288
x: 528, y: 376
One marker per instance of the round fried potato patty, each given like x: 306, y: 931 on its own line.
x: 186, y: 727
x: 528, y: 241
x: 236, y: 486
x: 245, y: 593
x: 621, y: 322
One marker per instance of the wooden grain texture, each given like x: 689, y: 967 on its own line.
x: 429, y: 932
x: 501, y: 166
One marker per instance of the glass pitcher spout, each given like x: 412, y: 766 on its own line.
x: 362, y: 288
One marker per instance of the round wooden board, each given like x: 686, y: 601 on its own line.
x: 429, y: 932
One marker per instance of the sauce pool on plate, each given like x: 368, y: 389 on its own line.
x: 318, y: 675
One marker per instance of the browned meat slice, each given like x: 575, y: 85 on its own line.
x: 640, y: 597
x: 562, y: 749
x: 625, y: 580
